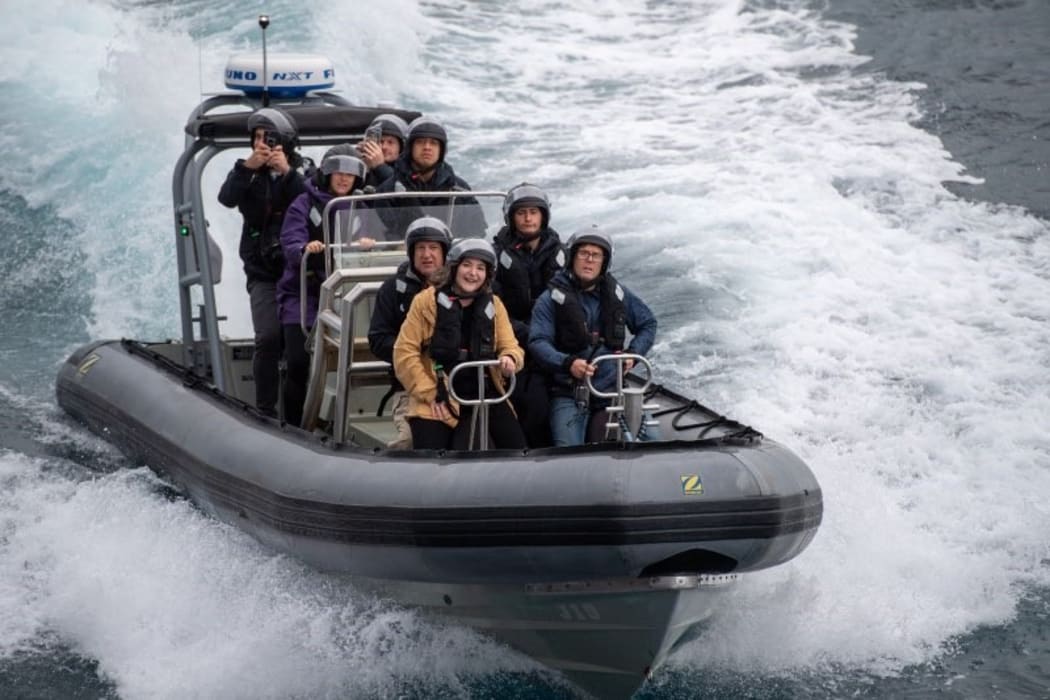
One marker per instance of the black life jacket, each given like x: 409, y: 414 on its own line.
x: 517, y: 281
x: 571, y: 334
x: 406, y: 286
x: 447, y: 348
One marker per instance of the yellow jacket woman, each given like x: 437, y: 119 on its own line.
x: 458, y: 319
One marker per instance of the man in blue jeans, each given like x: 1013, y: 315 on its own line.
x: 586, y: 313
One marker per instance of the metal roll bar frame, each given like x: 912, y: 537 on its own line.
x: 628, y: 405
x: 480, y: 417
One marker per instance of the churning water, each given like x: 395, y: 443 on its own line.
x: 794, y: 213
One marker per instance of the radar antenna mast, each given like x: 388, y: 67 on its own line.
x: 264, y: 22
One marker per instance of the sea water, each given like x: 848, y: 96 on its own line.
x: 831, y: 208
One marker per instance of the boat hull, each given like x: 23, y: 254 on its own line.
x: 483, y: 517
x: 606, y: 637
x: 593, y: 560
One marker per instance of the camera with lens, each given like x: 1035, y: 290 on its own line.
x: 272, y: 139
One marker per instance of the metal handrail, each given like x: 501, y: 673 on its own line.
x: 302, y: 291
x: 628, y: 403
x: 347, y: 313
x: 353, y: 199
x: 330, y: 332
x: 481, y: 416
x: 619, y: 358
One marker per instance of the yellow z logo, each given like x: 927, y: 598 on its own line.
x: 691, y: 485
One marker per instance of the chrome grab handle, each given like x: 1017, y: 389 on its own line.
x: 628, y: 402
x: 480, y: 419
x: 619, y: 359
x: 480, y: 365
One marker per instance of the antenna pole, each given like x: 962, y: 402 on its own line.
x: 264, y: 22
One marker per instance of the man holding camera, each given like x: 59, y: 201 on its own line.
x: 261, y: 187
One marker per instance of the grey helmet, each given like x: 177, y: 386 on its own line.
x: 341, y: 149
x: 526, y: 195
x: 340, y: 164
x: 392, y: 125
x: 276, y: 121
x: 431, y: 128
x: 593, y: 236
x: 477, y: 248
x: 427, y: 228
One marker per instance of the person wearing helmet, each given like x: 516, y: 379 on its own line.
x: 380, y: 157
x: 422, y: 168
x: 583, y: 314
x: 427, y: 242
x: 458, y: 319
x: 302, y: 233
x: 530, y: 252
x: 262, y: 187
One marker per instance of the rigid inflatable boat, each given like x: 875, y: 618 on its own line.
x: 594, y: 560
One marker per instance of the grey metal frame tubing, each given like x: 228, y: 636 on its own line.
x: 189, y: 212
x: 627, y: 402
x: 480, y: 419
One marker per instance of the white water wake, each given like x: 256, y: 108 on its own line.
x: 811, y: 275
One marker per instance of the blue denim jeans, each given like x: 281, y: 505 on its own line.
x: 568, y: 422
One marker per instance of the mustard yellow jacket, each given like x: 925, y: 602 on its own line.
x: 414, y: 367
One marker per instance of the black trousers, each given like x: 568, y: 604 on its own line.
x: 531, y: 399
x: 297, y: 374
x: 267, y: 354
x: 504, y: 431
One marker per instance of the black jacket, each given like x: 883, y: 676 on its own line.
x: 522, y: 275
x: 392, y: 302
x: 378, y: 175
x: 262, y: 201
x: 398, y: 214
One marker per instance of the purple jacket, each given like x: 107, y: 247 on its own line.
x: 296, y: 232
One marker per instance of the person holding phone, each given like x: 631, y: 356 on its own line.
x: 262, y: 187
x: 384, y: 140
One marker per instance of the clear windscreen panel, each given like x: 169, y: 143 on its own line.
x: 369, y: 230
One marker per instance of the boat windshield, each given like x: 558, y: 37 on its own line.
x: 369, y: 229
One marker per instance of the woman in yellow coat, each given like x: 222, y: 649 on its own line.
x: 458, y: 319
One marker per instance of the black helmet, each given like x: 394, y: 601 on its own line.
x: 392, y: 125
x: 593, y: 236
x: 425, y: 126
x: 340, y: 164
x: 276, y: 121
x: 427, y: 228
x: 526, y: 195
x: 473, y: 248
